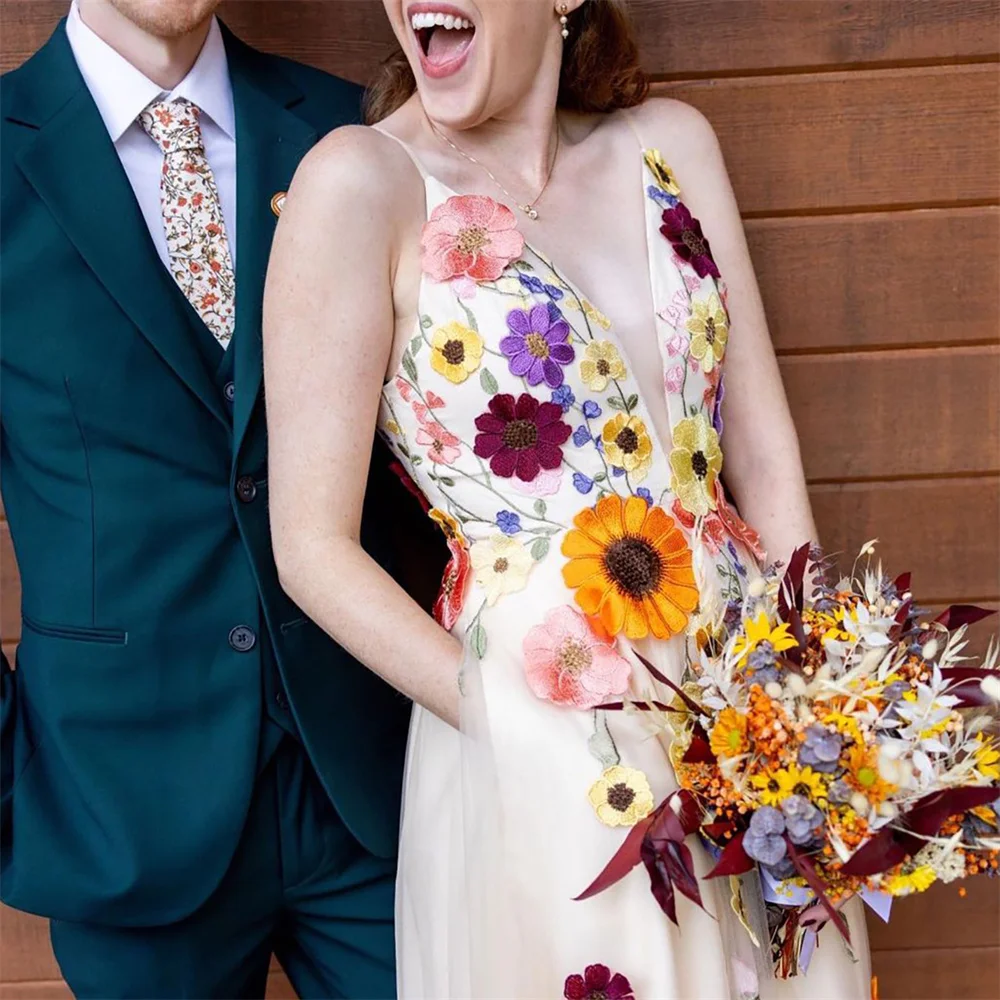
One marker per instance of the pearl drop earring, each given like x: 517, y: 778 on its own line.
x: 563, y: 19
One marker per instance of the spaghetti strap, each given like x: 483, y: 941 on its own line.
x: 630, y: 121
x: 409, y: 151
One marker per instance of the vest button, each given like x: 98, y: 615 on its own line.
x: 281, y: 701
x: 229, y: 391
x: 242, y: 639
x: 246, y: 489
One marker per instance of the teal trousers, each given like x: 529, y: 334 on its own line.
x: 299, y: 886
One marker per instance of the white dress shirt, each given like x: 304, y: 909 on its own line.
x: 121, y: 93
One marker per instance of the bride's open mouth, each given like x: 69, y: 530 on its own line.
x: 444, y: 37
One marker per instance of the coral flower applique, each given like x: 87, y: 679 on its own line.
x: 521, y: 436
x: 568, y: 664
x: 469, y: 235
x: 631, y: 567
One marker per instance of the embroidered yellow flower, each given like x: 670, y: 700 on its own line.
x: 987, y: 757
x: 729, y: 734
x: 759, y: 630
x: 501, y: 565
x: 596, y: 316
x: 448, y: 524
x: 661, y: 172
x: 627, y: 445
x: 456, y: 351
x: 844, y: 724
x: 919, y: 880
x: 863, y: 774
x: 621, y: 796
x: 709, y: 329
x: 601, y: 363
x: 392, y: 427
x: 696, y: 462
x: 775, y: 785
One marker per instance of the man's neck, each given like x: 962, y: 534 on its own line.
x: 165, y: 61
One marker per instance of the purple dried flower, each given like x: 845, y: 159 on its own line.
x: 839, y: 792
x: 895, y: 690
x: 783, y: 869
x: 763, y: 840
x: 821, y: 749
x: 803, y: 821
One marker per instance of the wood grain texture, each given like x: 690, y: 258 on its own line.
x: 857, y: 139
x: 886, y: 279
x: 945, y: 973
x: 896, y: 413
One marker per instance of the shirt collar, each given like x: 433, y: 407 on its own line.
x: 122, y: 92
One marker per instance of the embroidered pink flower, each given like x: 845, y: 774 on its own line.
x: 674, y: 378
x: 566, y: 663
x: 442, y: 445
x: 598, y: 983
x: 677, y: 344
x: 404, y: 388
x: 470, y: 235
x: 464, y: 287
x: 546, y: 484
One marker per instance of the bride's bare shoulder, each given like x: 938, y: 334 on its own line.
x: 683, y: 135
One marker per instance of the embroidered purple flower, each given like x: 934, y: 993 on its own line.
x: 646, y: 495
x: 720, y: 393
x: 508, y: 522
x: 583, y: 484
x: 803, y: 821
x: 521, y: 436
x: 598, y: 983
x: 689, y: 243
x: 591, y: 410
x: 581, y: 436
x: 539, y: 287
x: 617, y: 470
x: 536, y: 346
x: 661, y: 196
x: 740, y: 568
x: 821, y: 748
x: 564, y: 397
x: 763, y: 840
x: 553, y: 292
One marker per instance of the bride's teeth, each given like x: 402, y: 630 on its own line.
x: 439, y: 20
x: 449, y: 22
x: 446, y: 21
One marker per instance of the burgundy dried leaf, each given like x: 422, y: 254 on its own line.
x: 804, y: 866
x: 699, y: 752
x: 642, y: 706
x: 962, y: 614
x: 790, y: 591
x: 690, y: 811
x: 692, y: 705
x: 794, y: 619
x: 659, y: 883
x: 716, y: 831
x: 885, y: 850
x: 625, y: 859
x: 733, y: 860
x: 902, y: 583
x: 926, y: 817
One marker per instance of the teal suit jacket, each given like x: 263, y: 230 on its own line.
x: 131, y: 723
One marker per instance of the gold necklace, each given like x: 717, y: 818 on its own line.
x: 529, y: 207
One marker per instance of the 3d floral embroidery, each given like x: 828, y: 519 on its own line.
x: 689, y: 243
x: 601, y: 363
x: 536, y: 346
x: 709, y: 327
x: 735, y: 526
x: 442, y: 445
x: 631, y: 567
x: 521, y: 437
x: 565, y: 662
x: 621, y: 796
x: 456, y: 351
x: 597, y: 983
x: 470, y: 235
x: 501, y: 564
x: 713, y: 532
x: 696, y: 461
x: 662, y: 174
x: 628, y: 446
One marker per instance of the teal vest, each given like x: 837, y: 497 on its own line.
x: 135, y: 485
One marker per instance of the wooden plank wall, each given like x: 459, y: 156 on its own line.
x: 863, y: 139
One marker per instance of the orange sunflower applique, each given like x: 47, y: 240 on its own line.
x: 631, y: 568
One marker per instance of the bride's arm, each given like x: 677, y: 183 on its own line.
x: 763, y: 465
x: 328, y: 332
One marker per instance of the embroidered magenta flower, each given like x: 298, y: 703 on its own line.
x: 469, y: 235
x: 536, y: 345
x: 566, y: 663
x: 598, y: 983
x: 521, y: 437
x: 442, y: 446
x: 689, y: 243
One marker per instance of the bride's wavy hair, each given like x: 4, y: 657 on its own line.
x: 600, y: 66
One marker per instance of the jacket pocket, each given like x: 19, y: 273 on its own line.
x: 77, y: 633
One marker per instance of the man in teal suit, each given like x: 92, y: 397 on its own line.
x: 195, y: 776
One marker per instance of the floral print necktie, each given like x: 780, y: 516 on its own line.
x: 200, y: 261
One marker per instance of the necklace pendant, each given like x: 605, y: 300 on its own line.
x: 529, y: 211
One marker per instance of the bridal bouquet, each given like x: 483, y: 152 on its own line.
x: 824, y: 748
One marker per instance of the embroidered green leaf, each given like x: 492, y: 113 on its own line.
x: 540, y: 508
x: 426, y: 322
x: 409, y: 366
x: 632, y: 402
x: 446, y: 481
x: 477, y: 638
x: 523, y: 265
x: 603, y: 748
x: 545, y: 529
x: 416, y: 344
x: 416, y: 460
x: 403, y: 450
x: 488, y: 382
x: 473, y: 325
x: 615, y: 403
x: 600, y: 477
x: 693, y: 410
x: 539, y: 549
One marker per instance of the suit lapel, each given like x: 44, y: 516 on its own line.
x: 270, y: 142
x: 73, y: 166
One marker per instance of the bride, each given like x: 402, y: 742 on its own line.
x: 516, y: 276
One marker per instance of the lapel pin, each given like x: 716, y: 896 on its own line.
x: 278, y: 203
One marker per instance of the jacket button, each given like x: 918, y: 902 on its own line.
x: 246, y: 488
x: 242, y: 639
x: 229, y: 391
x: 281, y: 701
